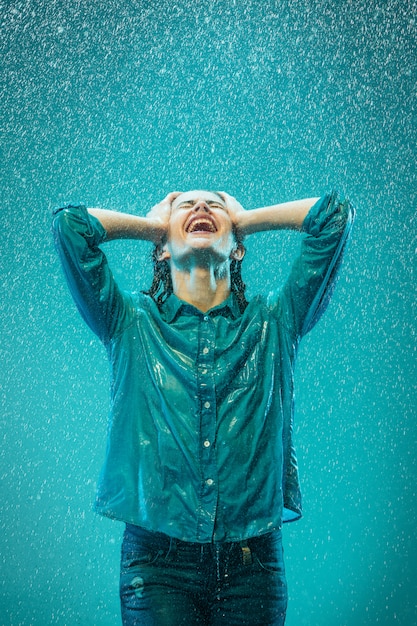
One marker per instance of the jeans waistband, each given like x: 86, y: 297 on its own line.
x: 137, y: 533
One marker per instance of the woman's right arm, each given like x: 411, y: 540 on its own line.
x: 78, y: 237
x: 153, y: 227
x: 78, y: 234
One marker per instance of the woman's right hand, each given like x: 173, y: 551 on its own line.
x: 159, y: 215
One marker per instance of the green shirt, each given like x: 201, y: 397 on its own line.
x: 200, y: 428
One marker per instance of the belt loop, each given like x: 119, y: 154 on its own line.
x: 246, y: 553
x: 172, y: 549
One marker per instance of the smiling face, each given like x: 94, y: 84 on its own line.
x: 200, y: 229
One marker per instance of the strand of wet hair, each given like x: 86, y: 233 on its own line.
x: 238, y: 287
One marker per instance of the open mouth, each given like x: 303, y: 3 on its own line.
x: 201, y: 225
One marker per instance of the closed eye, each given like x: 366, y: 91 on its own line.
x: 216, y: 205
x: 211, y: 203
x: 185, y: 205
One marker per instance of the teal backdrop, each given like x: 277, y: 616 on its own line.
x: 118, y: 103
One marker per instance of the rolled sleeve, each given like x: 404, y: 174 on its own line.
x: 77, y: 236
x: 313, y: 276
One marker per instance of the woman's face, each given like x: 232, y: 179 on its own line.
x: 200, y: 229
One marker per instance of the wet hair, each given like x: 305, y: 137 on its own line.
x: 161, y: 287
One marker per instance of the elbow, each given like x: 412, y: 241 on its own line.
x: 61, y: 223
x: 68, y: 218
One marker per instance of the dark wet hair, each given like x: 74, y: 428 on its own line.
x: 161, y: 286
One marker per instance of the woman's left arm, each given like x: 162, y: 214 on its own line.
x: 287, y: 215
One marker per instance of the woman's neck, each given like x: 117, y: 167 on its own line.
x: 202, y: 287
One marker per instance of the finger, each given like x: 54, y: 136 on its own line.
x: 230, y: 201
x: 172, y: 195
x: 223, y: 195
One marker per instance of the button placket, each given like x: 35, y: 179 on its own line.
x: 207, y: 398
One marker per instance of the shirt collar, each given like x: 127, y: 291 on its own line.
x: 173, y: 306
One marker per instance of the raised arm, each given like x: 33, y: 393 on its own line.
x: 152, y: 227
x: 287, y: 215
x: 327, y: 223
x: 78, y: 236
x: 310, y: 285
x: 79, y: 233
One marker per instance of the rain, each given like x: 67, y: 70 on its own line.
x: 115, y: 104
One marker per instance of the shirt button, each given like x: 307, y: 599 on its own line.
x: 207, y: 405
x: 205, y: 350
x: 204, y: 371
x: 206, y: 444
x: 206, y: 318
x: 209, y: 482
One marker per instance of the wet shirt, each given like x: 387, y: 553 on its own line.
x: 200, y: 427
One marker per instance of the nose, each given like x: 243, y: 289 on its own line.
x: 201, y: 206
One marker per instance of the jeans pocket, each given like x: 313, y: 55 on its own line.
x: 138, y: 557
x: 269, y: 556
x: 269, y: 564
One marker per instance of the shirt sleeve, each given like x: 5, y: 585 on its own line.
x: 77, y: 236
x: 312, y: 279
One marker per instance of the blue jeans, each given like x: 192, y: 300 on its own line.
x: 168, y: 582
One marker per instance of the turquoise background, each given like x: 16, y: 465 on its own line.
x: 118, y: 103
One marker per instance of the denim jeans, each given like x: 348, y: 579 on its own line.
x: 167, y: 582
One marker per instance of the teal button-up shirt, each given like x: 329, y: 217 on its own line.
x: 200, y: 428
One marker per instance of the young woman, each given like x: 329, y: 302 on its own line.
x: 200, y: 463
